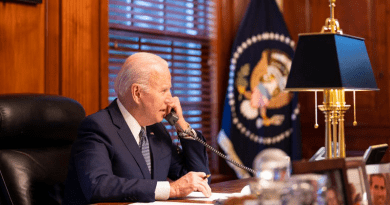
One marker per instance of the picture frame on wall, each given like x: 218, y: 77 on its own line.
x: 347, y: 179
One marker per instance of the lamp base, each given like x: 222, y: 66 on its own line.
x: 334, y: 108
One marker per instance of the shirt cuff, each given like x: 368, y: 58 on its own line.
x: 162, y: 190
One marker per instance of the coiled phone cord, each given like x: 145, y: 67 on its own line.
x: 217, y: 152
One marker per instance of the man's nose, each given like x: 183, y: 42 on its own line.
x: 168, y: 99
x: 168, y: 95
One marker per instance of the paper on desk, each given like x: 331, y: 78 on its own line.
x: 166, y: 203
x: 216, y: 196
x: 199, y: 196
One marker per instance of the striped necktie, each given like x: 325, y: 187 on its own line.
x: 144, y: 146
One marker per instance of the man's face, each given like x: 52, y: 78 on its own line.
x: 154, y: 101
x: 331, y: 197
x: 378, y: 190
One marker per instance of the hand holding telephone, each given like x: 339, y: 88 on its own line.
x: 172, y: 119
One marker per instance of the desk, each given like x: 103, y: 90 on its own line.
x: 232, y: 186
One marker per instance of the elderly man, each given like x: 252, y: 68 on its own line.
x: 124, y: 153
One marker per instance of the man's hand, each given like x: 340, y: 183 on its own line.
x: 192, y: 181
x: 174, y: 103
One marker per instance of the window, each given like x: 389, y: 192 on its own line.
x: 176, y: 30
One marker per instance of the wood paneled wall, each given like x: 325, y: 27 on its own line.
x: 22, y: 59
x: 56, y: 47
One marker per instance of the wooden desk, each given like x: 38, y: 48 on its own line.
x: 232, y: 186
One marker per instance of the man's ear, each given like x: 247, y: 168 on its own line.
x: 136, y: 92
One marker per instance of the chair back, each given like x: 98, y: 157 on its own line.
x: 36, y: 134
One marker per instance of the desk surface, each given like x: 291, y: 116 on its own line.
x: 232, y: 186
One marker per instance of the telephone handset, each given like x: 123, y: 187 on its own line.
x: 172, y: 119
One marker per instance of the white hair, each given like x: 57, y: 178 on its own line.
x: 137, y: 69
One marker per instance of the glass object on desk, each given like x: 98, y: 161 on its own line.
x: 306, y: 189
x: 273, y: 168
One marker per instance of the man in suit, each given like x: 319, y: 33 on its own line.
x: 112, y: 160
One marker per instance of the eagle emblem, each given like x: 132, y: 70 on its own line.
x: 267, y: 82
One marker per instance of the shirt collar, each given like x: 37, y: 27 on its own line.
x: 134, y: 126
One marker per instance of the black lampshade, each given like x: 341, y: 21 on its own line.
x: 330, y: 61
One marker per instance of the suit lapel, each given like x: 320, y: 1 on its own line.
x: 128, y: 138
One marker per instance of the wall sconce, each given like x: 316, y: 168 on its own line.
x: 333, y: 63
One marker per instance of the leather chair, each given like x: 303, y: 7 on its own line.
x: 36, y: 133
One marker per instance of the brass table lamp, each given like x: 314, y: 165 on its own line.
x: 333, y: 63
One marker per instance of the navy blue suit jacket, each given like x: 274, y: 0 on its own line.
x: 106, y: 162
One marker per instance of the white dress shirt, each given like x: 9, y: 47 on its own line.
x: 163, y: 187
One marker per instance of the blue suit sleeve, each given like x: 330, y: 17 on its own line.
x: 193, y: 157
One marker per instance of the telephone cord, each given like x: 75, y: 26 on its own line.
x: 219, y: 153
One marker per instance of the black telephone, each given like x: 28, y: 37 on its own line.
x: 172, y: 118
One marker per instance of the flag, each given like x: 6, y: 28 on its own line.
x: 259, y: 66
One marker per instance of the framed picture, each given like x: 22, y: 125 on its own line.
x: 347, y: 179
x: 379, y: 182
x: 357, y: 181
x: 335, y: 170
